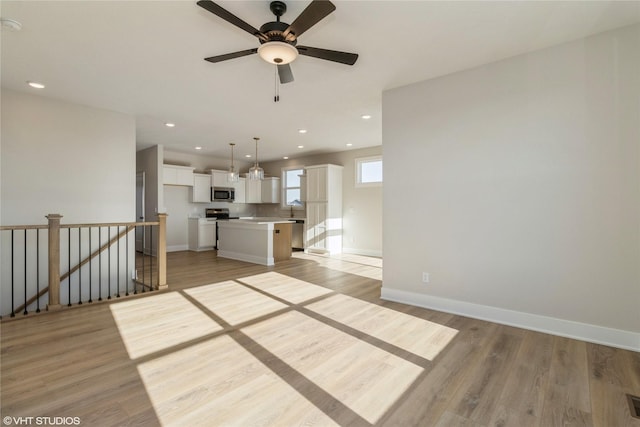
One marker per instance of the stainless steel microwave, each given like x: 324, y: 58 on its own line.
x: 222, y: 194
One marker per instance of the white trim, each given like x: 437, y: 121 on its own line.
x: 268, y: 261
x: 363, y: 252
x: 627, y: 340
x: 177, y: 248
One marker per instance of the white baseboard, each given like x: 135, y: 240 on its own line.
x: 268, y: 261
x: 363, y: 252
x: 177, y: 248
x: 565, y: 328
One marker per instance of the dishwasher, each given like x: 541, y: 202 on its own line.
x: 297, y: 233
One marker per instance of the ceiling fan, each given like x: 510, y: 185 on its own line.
x: 278, y: 40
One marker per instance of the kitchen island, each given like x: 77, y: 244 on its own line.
x: 258, y: 240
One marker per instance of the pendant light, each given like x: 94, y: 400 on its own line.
x: 232, y: 175
x: 256, y: 172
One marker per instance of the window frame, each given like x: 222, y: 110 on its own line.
x: 285, y: 187
x: 358, y: 171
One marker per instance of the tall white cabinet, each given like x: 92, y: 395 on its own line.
x: 323, y: 226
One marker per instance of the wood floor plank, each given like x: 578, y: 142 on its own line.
x: 307, y: 342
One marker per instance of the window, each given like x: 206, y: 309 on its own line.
x: 369, y: 171
x: 291, y: 187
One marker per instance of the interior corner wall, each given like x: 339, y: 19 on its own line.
x: 65, y: 158
x: 523, y: 178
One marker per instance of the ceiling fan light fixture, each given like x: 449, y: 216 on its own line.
x: 278, y: 53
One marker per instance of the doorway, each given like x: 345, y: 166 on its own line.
x: 139, y: 210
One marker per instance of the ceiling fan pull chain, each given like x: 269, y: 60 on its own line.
x: 276, y: 97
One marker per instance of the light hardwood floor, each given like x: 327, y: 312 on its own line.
x: 307, y: 342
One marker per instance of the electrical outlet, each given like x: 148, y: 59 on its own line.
x: 425, y: 277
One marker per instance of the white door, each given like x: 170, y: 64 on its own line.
x: 139, y: 209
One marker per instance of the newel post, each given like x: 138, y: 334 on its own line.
x: 54, y: 261
x: 162, y: 251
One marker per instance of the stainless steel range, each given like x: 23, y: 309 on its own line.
x: 220, y: 214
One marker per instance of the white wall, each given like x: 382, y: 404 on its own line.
x: 65, y: 158
x: 524, y: 182
x: 69, y: 159
x: 362, y: 206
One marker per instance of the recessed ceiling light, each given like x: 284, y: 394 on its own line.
x: 366, y: 116
x: 198, y: 148
x: 36, y: 85
x: 247, y: 155
x: 300, y: 146
x: 286, y: 157
x: 302, y: 131
x: 170, y: 125
x: 349, y: 144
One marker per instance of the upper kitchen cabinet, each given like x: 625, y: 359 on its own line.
x: 177, y: 175
x: 265, y: 191
x: 219, y: 179
x: 201, y: 192
x: 241, y: 192
x: 271, y: 190
x: 323, y: 181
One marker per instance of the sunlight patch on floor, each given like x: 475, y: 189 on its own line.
x: 358, y: 265
x: 365, y: 378
x: 218, y: 382
x: 288, y: 288
x: 419, y: 336
x: 173, y: 320
x: 233, y: 302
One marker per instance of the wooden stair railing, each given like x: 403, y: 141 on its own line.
x: 78, y: 266
x: 54, y: 226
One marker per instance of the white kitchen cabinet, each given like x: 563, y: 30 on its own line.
x: 265, y: 191
x: 270, y: 190
x: 219, y: 179
x: 240, y: 196
x: 177, y: 175
x: 253, y: 191
x: 202, y: 234
x: 201, y: 192
x: 323, y: 225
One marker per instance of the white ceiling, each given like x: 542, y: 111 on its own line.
x: 146, y: 58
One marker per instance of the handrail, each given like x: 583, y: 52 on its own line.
x: 23, y: 227
x: 53, y: 243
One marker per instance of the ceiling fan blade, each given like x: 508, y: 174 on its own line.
x: 329, y: 55
x: 226, y: 56
x: 285, y: 74
x: 230, y: 18
x: 314, y: 13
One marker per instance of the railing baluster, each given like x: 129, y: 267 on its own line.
x: 69, y: 261
x: 25, y: 273
x: 100, y: 265
x: 90, y: 267
x: 109, y: 253
x: 144, y: 242
x: 126, y: 267
x: 37, y: 270
x: 151, y: 259
x: 79, y: 266
x: 118, y: 262
x: 13, y: 273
